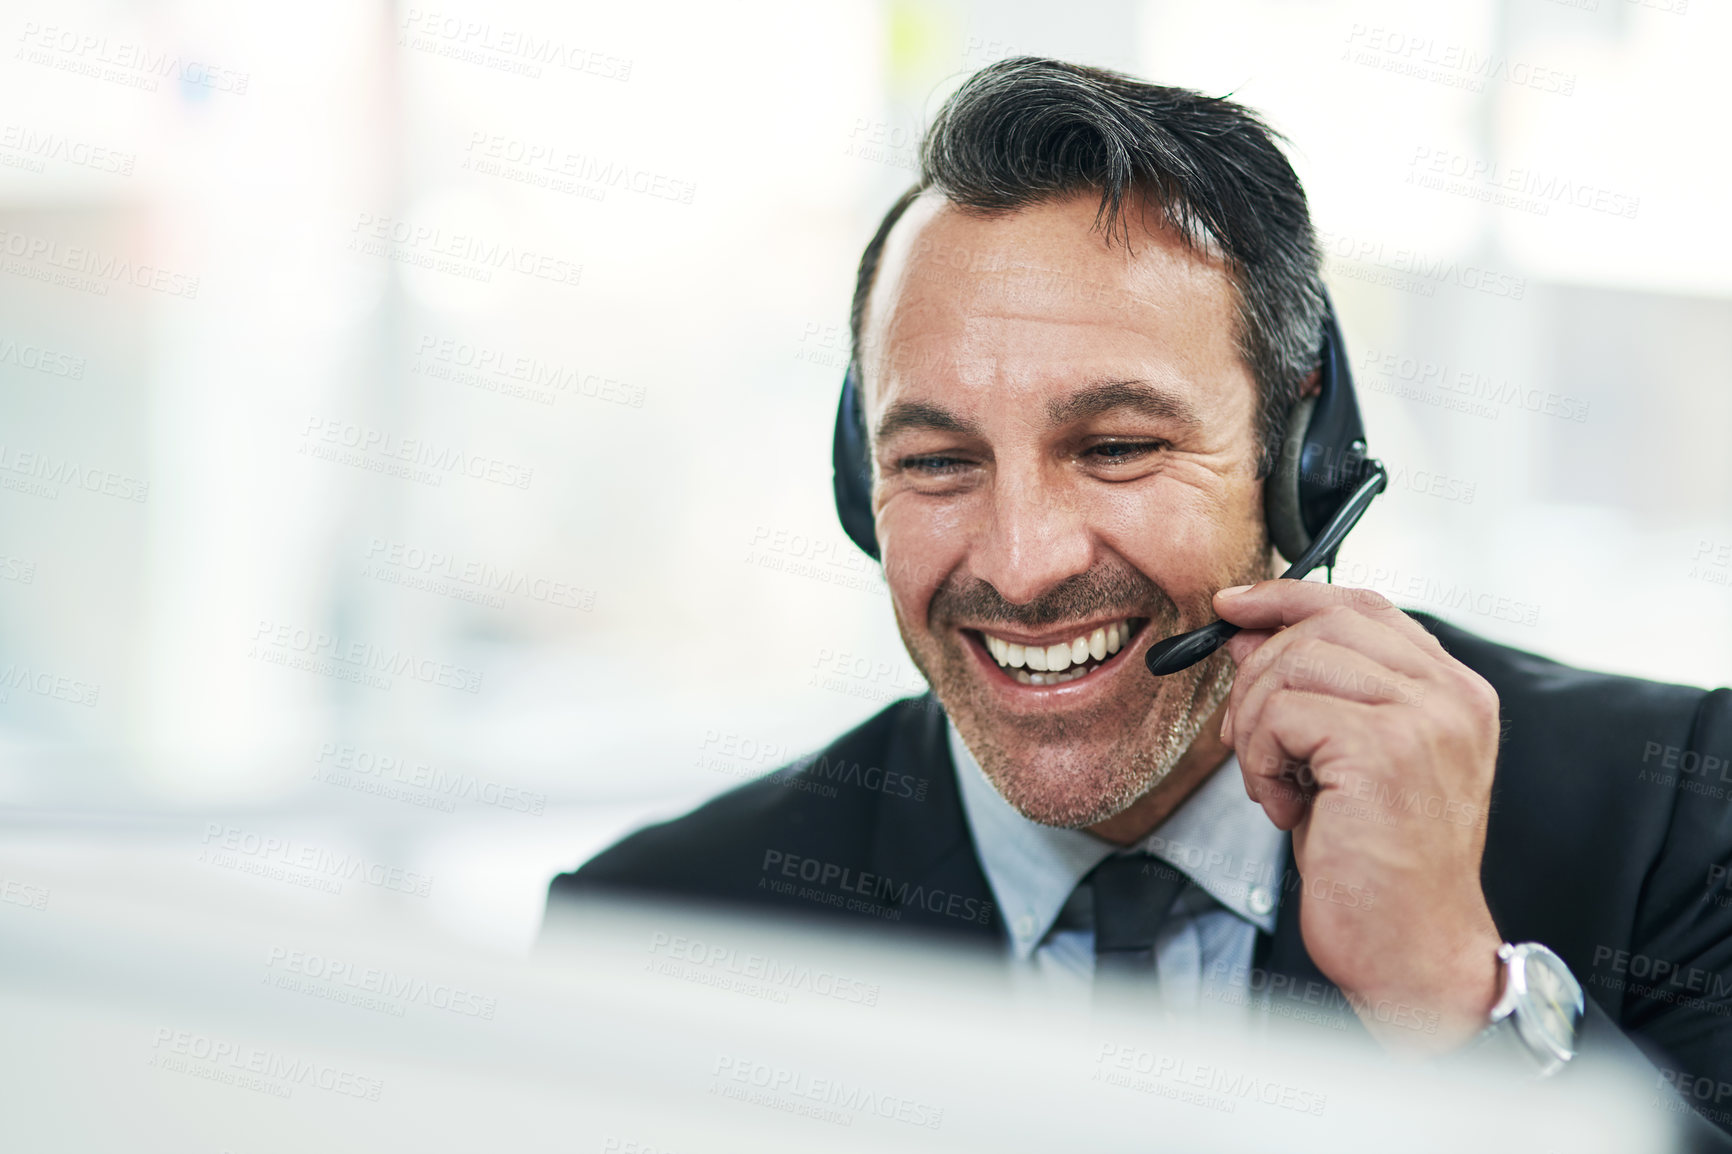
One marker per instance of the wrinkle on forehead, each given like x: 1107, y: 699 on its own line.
x: 996, y: 279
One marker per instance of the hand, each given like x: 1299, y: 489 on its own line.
x: 1357, y: 732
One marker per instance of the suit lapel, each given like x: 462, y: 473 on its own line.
x: 922, y: 845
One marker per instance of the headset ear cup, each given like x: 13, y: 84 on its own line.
x: 851, y: 480
x: 1281, y: 509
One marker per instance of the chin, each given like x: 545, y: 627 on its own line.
x: 1077, y: 772
x: 1069, y: 791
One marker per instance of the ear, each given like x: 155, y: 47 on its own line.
x: 1313, y: 384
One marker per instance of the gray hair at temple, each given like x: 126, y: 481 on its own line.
x: 1027, y: 130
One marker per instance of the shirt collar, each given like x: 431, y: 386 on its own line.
x: 1218, y: 837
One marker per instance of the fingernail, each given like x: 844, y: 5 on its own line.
x: 1232, y: 590
x: 1226, y: 722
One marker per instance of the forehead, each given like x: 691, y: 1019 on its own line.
x: 1040, y: 291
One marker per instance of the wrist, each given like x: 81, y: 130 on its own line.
x: 1467, y: 1003
x: 1443, y: 1008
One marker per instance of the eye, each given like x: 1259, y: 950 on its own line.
x: 932, y: 466
x: 1113, y: 452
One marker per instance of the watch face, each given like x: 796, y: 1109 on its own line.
x: 1550, y: 1008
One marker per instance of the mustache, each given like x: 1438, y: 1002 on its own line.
x: 1102, y: 592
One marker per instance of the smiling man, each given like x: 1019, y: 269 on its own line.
x: 1042, y: 396
x: 1081, y: 343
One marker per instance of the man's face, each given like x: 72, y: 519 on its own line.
x: 1065, y: 459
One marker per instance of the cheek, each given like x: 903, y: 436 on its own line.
x: 920, y: 546
x: 1184, y: 538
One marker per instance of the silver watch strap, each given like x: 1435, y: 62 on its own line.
x: 1502, y: 1043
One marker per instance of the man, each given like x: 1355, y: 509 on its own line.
x: 1078, y: 342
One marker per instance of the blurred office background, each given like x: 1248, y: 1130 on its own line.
x: 414, y: 421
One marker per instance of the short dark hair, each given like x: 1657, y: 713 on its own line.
x: 1027, y: 130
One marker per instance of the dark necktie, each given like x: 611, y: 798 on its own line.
x: 1132, y: 896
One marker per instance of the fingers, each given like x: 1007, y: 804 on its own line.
x: 1318, y: 660
x: 1336, y: 651
x: 1376, y: 637
x: 1296, y: 730
x: 1279, y: 603
x: 1307, y: 664
x: 1280, y: 792
x: 1246, y: 642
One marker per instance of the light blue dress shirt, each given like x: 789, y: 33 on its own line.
x: 1221, y: 839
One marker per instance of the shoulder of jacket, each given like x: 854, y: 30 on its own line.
x: 1528, y: 682
x: 693, y: 852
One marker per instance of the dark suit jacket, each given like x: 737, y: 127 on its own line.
x: 1609, y: 840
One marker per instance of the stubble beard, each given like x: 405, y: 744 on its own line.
x: 1077, y: 767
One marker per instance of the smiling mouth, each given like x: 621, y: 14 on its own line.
x: 1063, y: 661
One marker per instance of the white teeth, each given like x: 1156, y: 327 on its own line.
x: 1061, y: 662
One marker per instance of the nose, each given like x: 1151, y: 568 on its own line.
x: 1034, y: 536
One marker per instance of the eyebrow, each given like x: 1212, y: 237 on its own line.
x: 1141, y: 396
x: 1092, y: 401
x: 905, y: 415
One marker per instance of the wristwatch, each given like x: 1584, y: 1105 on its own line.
x: 1539, y: 1013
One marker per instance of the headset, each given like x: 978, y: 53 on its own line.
x: 1321, y: 485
